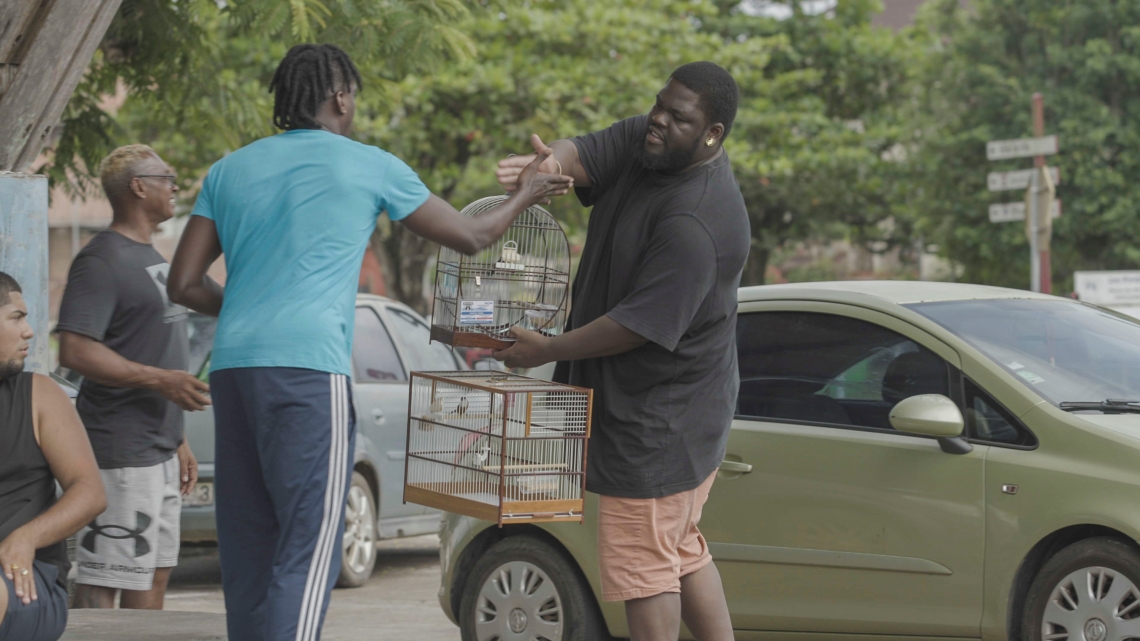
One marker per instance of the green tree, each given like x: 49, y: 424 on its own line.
x: 554, y: 68
x: 818, y: 143
x: 977, y: 81
x: 196, y: 71
x: 811, y: 146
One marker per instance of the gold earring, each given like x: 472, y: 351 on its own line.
x: 710, y: 142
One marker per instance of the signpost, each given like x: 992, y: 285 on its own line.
x: 1010, y: 180
x: 1040, y: 185
x: 1015, y: 212
x: 1023, y: 147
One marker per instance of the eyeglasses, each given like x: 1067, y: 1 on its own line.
x: 171, y: 177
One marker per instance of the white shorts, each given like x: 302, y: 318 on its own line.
x: 137, y: 533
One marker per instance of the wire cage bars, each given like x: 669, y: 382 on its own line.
x: 522, y: 279
x: 496, y: 446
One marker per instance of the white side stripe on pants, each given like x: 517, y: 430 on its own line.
x: 314, y: 597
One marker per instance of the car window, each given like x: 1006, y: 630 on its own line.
x: 374, y: 357
x: 200, y: 330
x: 825, y: 368
x: 988, y: 421
x: 426, y: 356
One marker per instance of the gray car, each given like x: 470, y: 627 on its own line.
x: 391, y: 341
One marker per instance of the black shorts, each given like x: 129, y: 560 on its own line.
x: 41, y: 620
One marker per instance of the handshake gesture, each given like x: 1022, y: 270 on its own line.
x: 534, y: 177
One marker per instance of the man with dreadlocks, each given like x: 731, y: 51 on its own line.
x: 292, y: 214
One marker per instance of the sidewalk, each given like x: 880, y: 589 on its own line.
x: 142, y: 625
x: 398, y: 602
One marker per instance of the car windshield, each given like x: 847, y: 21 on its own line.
x: 1065, y: 351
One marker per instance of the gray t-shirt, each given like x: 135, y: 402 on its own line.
x: 116, y: 294
x: 669, y: 271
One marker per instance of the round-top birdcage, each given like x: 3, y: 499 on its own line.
x: 522, y: 279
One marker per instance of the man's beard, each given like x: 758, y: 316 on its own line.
x: 11, y: 368
x: 669, y: 162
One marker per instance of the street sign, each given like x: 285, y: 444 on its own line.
x: 1010, y: 180
x: 1014, y: 212
x: 1110, y: 288
x: 1021, y: 148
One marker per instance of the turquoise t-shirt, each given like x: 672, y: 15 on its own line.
x: 294, y: 213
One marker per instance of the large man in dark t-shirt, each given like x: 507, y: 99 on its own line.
x: 652, y: 331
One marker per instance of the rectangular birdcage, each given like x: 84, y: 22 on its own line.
x: 496, y: 446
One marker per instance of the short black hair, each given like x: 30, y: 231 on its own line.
x: 717, y: 88
x: 305, y: 79
x: 7, y: 286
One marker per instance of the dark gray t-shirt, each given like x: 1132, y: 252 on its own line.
x: 116, y: 294
x: 670, y: 273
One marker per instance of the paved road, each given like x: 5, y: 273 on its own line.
x: 398, y: 602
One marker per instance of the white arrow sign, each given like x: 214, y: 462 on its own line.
x: 1006, y: 181
x: 1021, y: 148
x: 1013, y: 212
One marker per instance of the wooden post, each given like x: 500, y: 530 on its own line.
x: 1044, y: 255
x: 48, y: 44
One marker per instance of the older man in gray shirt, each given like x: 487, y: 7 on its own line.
x: 119, y: 330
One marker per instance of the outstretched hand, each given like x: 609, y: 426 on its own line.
x: 510, y: 169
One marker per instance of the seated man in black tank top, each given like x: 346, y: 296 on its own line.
x: 41, y: 442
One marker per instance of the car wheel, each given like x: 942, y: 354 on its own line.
x: 525, y: 589
x: 1086, y: 592
x: 359, y: 552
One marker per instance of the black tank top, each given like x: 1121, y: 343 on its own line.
x: 27, y: 487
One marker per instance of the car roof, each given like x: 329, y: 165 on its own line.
x: 375, y: 297
x: 884, y: 293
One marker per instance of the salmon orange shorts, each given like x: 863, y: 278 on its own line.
x: 645, y: 546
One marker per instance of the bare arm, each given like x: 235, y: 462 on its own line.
x: 602, y: 337
x: 64, y: 442
x: 188, y: 284
x: 105, y: 366
x: 565, y: 152
x: 438, y: 221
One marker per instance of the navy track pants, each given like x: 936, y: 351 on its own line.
x: 284, y: 440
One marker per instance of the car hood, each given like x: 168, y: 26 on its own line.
x: 1126, y: 424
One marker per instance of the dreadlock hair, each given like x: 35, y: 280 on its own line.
x: 7, y: 286
x: 716, y: 87
x: 305, y: 79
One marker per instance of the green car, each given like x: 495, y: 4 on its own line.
x: 909, y: 460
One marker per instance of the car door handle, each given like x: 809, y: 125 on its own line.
x: 735, y: 467
x: 378, y: 416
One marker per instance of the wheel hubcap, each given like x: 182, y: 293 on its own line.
x: 518, y: 602
x: 1092, y: 604
x: 1095, y: 630
x: 359, y: 531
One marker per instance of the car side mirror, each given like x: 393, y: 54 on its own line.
x: 932, y: 415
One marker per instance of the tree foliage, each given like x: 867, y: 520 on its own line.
x: 983, y: 66
x: 196, y: 71
x: 452, y: 88
x: 819, y: 133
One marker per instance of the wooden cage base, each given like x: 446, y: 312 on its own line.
x: 469, y: 339
x: 513, y: 511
